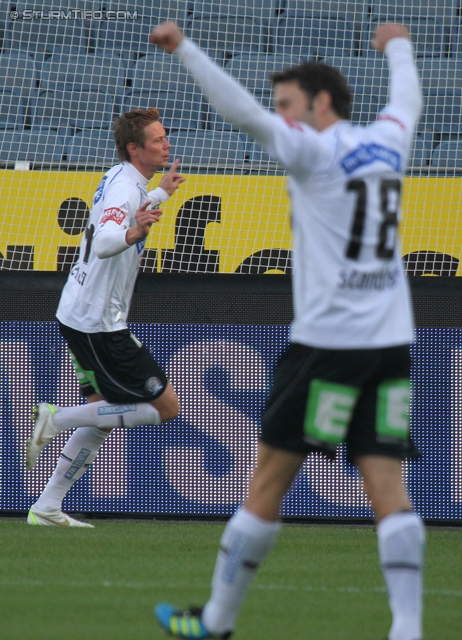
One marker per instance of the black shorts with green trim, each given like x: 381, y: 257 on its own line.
x: 321, y: 398
x: 116, y: 365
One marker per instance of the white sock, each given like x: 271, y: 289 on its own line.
x: 75, y: 458
x: 246, y: 541
x: 104, y: 415
x: 401, y: 539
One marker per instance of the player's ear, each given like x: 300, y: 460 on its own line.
x: 323, y: 100
x: 132, y: 149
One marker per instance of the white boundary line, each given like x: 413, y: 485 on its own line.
x: 451, y: 593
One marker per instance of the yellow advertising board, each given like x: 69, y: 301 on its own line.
x: 234, y: 217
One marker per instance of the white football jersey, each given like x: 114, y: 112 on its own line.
x: 349, y: 286
x: 97, y: 295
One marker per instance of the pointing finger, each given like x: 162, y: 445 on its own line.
x: 174, y: 166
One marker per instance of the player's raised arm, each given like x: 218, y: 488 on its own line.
x: 228, y: 97
x: 405, y: 94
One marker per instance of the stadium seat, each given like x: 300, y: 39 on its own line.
x: 30, y: 146
x: 456, y: 34
x: 215, y: 122
x: 353, y: 10
x: 12, y: 111
x: 208, y: 151
x: 72, y: 109
x: 42, y: 38
x: 421, y: 152
x: 448, y: 155
x: 94, y: 148
x: 227, y: 34
x: 18, y: 72
x: 177, y: 110
x: 260, y: 161
x: 364, y: 74
x: 5, y: 20
x: 89, y: 72
x: 176, y: 10
x: 258, y: 8
x: 127, y: 38
x: 159, y: 71
x: 429, y: 36
x: 444, y: 10
x: 365, y: 107
x: 442, y: 112
x: 440, y: 74
x: 315, y: 34
x: 254, y: 71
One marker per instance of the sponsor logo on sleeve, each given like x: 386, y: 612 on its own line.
x: 367, y: 154
x: 114, y: 214
x: 99, y: 191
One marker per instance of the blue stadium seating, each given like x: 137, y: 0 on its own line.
x: 440, y: 73
x: 442, y: 112
x: 227, y: 34
x: 448, y: 155
x: 354, y: 10
x: 176, y: 10
x: 65, y: 110
x: 397, y: 10
x: 32, y: 146
x: 429, y: 35
x: 126, y: 38
x: 258, y: 8
x: 94, y: 148
x: 12, y: 110
x: 42, y: 38
x: 254, y: 71
x: 177, y: 111
x: 421, y: 152
x: 368, y: 74
x: 365, y: 107
x: 159, y: 71
x: 315, y: 34
x: 18, y: 72
x: 88, y: 72
x: 206, y: 150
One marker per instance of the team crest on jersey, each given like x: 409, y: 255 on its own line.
x: 369, y: 153
x: 114, y: 214
x: 99, y: 191
x: 153, y: 385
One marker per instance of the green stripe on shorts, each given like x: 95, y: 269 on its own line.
x: 84, y: 376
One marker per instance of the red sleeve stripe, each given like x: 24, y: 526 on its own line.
x: 395, y: 120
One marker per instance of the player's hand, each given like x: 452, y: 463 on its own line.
x: 386, y: 32
x: 171, y: 180
x: 145, y: 218
x: 167, y: 36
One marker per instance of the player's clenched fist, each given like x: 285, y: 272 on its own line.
x: 167, y: 36
x: 386, y: 32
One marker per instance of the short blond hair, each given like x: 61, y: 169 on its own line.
x: 129, y: 127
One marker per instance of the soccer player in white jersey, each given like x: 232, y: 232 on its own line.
x: 123, y: 385
x: 345, y: 377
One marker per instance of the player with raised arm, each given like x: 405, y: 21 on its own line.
x: 123, y: 385
x: 346, y: 374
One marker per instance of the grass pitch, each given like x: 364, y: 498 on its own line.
x: 320, y: 582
